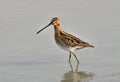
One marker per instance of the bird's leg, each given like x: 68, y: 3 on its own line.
x: 75, y: 57
x: 77, y: 67
x: 70, y: 61
x: 70, y: 57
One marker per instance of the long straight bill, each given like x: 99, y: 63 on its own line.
x: 44, y: 28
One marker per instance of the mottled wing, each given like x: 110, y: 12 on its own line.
x: 73, y: 41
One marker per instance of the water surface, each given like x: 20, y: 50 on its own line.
x: 27, y: 57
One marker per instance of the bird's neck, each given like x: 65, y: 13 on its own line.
x: 58, y: 29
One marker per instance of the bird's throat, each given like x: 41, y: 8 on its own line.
x: 57, y: 29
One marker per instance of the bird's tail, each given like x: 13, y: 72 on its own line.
x: 90, y: 46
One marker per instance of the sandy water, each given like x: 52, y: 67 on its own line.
x: 27, y: 57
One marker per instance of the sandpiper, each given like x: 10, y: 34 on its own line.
x: 65, y: 40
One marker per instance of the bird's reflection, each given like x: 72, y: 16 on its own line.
x: 77, y: 76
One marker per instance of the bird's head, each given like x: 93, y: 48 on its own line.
x: 55, y: 22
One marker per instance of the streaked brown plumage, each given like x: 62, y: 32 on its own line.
x: 65, y: 40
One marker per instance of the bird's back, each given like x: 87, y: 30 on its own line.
x: 69, y: 41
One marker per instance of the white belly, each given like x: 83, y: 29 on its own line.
x: 68, y: 48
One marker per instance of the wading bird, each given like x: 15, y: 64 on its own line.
x: 66, y: 40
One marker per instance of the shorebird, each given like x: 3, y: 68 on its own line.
x: 65, y: 40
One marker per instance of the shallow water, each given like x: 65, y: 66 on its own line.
x: 27, y: 57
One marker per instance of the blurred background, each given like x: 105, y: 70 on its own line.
x: 27, y: 57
